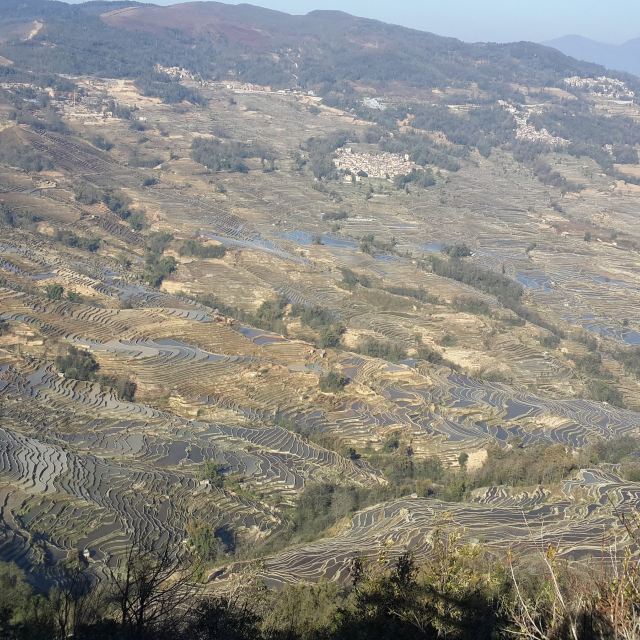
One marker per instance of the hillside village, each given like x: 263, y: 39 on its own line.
x: 383, y: 165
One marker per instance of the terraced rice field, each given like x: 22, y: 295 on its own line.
x: 82, y: 469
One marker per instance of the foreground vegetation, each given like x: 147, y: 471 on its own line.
x: 461, y: 593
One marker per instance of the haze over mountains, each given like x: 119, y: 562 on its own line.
x: 623, y: 57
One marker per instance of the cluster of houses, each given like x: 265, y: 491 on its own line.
x: 381, y: 165
x: 526, y: 131
x: 603, y: 86
x: 176, y: 72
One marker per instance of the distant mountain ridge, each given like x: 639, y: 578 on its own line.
x: 623, y: 57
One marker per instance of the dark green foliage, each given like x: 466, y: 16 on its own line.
x: 137, y: 159
x: 270, y: 315
x: 422, y: 151
x: 550, y: 341
x: 158, y: 268
x: 117, y: 202
x: 417, y: 294
x: 78, y: 364
x: 333, y: 382
x: 158, y: 241
x: 630, y: 359
x: 19, y: 219
x: 457, y: 251
x: 429, y: 355
x: 24, y: 157
x: 482, y: 127
x: 384, y: 349
x: 468, y: 304
x: 420, y: 177
x: 605, y: 391
x: 537, y: 465
x: 207, y: 542
x: 321, y: 505
x: 86, y: 193
x: 331, y: 216
x: 552, y: 178
x: 321, y: 153
x: 505, y: 289
x: 124, y: 387
x: 137, y: 221
x: 350, y: 279
x: 624, y: 451
x: 70, y: 239
x: 213, y: 473
x: 218, y: 155
x: 102, y: 143
x: 195, y: 249
x: 323, y: 321
x: 168, y: 89
x: 54, y: 291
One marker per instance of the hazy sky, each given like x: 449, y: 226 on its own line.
x: 496, y: 20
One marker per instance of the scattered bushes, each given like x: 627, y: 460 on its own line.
x: 86, y: 193
x: 54, y: 292
x: 350, y: 279
x: 333, y: 382
x: 70, y: 239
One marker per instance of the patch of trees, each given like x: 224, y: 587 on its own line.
x: 119, y: 203
x: 630, y: 359
x: 54, y: 292
x: 624, y: 452
x: 383, y: 349
x: 12, y: 218
x: 226, y: 155
x: 71, y: 239
x: 22, y: 156
x: 350, y: 279
x: 157, y: 268
x: 335, y: 216
x: 369, y: 244
x: 481, y: 127
x: 469, y: 304
x: 420, y: 177
x: 323, y: 321
x: 457, y: 251
x: 422, y: 151
x: 548, y: 176
x: 137, y: 159
x: 198, y: 250
x: 102, y: 143
x: 321, y: 153
x: 79, y: 364
x: 86, y: 193
x: 417, y: 294
x: 525, y: 466
x: 506, y: 290
x: 167, y: 88
x: 333, y: 382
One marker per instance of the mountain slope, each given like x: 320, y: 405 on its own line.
x: 625, y: 57
x: 260, y: 45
